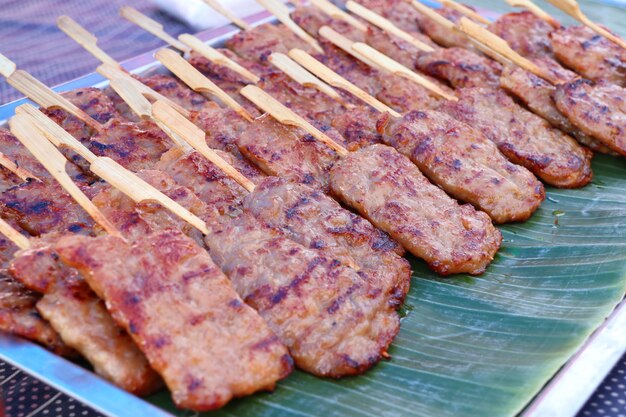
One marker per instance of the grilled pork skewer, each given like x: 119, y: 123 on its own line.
x: 72, y: 309
x: 166, y: 320
x: 578, y: 99
x: 302, y: 320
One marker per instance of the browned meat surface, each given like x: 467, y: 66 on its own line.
x: 358, y: 126
x: 175, y: 90
x: 536, y: 94
x: 400, y: 12
x: 135, y: 221
x: 525, y: 33
x: 287, y: 152
x: 18, y: 314
x: 389, y: 190
x: 316, y: 221
x: 442, y: 35
x: 523, y: 137
x: 396, y: 48
x: 311, y: 19
x: 82, y: 320
x: 259, y: 43
x: 589, y: 54
x: 184, y: 315
x: 333, y: 321
x: 460, y: 67
x: 42, y: 207
x: 598, y: 110
x: 466, y: 164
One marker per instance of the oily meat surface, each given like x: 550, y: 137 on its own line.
x: 467, y: 165
x: 316, y: 221
x: 183, y: 313
x: 523, y: 137
x: 525, y: 33
x: 333, y: 322
x: 589, y: 54
x: 596, y: 109
x: 388, y: 189
x: 81, y: 318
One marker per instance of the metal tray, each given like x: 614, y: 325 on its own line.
x: 563, y: 396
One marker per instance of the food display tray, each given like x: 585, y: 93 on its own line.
x: 563, y: 396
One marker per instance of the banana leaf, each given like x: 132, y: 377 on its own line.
x: 485, y: 346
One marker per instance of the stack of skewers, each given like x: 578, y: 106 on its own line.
x: 210, y: 229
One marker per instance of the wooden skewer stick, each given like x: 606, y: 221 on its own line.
x: 345, y: 44
x: 572, y: 8
x: 152, y: 26
x: 196, y: 138
x: 112, y: 72
x: 13, y: 235
x: 382, y: 61
x: 337, y: 81
x: 22, y: 173
x: 302, y: 76
x: 88, y: 41
x: 109, y: 170
x: 42, y: 94
x: 499, y: 45
x: 217, y: 57
x: 142, y: 107
x: 282, y: 13
x: 286, y: 116
x: 536, y: 10
x: 197, y: 81
x: 217, y: 6
x: 386, y: 25
x: 23, y: 127
x: 336, y: 13
x: 465, y: 11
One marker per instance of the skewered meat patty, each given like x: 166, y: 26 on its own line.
x: 81, y: 318
x: 18, y: 314
x: 525, y: 33
x: 398, y: 11
x: 333, y: 321
x: 536, y: 94
x: 523, y: 137
x: 596, y: 109
x: 466, y: 164
x: 389, y: 190
x: 184, y: 315
x: 589, y: 54
x: 442, y: 35
x: 311, y: 218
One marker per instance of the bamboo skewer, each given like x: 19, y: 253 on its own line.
x: 336, y: 13
x: 151, y: 26
x: 302, y: 76
x: 197, y: 81
x: 286, y: 116
x: 84, y: 38
x: 52, y: 159
x: 536, y: 10
x: 572, y: 8
x: 40, y: 93
x: 358, y: 49
x: 337, y: 81
x: 20, y: 172
x: 386, y: 25
x: 13, y: 235
x: 465, y: 11
x: 282, y: 13
x: 185, y: 42
x: 218, y: 7
x: 499, y: 45
x: 109, y: 170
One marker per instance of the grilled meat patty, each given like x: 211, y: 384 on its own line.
x: 525, y: 33
x: 466, y: 164
x: 181, y: 310
x: 333, y: 321
x: 589, y: 54
x: 596, y: 109
x: 523, y: 137
x: 81, y: 318
x: 389, y: 190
